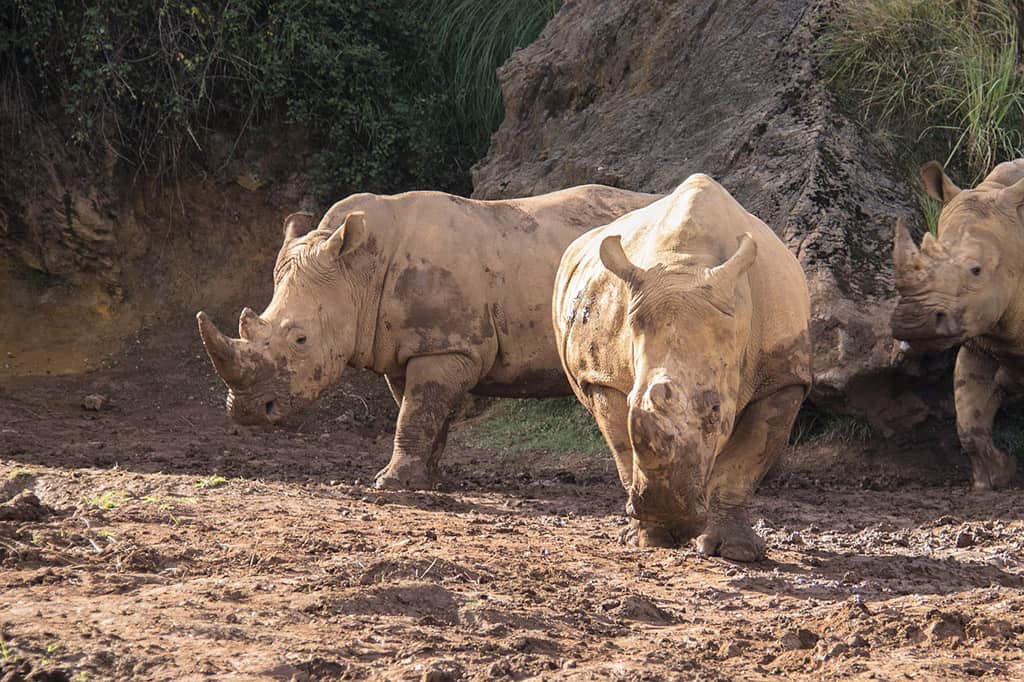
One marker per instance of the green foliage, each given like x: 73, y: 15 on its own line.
x: 475, y: 37
x: 932, y: 78
x: 212, y: 481
x: 814, y: 426
x: 390, y: 94
x: 554, y: 425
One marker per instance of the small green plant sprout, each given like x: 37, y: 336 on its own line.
x: 18, y: 473
x: 6, y: 655
x: 214, y: 481
x: 111, y: 499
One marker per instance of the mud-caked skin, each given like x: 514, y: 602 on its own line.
x: 964, y: 288
x: 441, y: 295
x: 683, y: 328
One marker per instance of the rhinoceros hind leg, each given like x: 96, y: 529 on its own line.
x: 756, y: 442
x: 978, y: 393
x: 433, y: 388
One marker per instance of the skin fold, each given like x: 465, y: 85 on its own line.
x: 683, y: 328
x: 964, y: 288
x: 441, y: 295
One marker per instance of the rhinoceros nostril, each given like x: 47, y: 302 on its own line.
x: 269, y: 407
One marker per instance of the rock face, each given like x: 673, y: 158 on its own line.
x: 642, y: 93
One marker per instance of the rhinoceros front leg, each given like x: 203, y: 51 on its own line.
x: 756, y: 442
x: 433, y: 387
x: 611, y: 412
x: 978, y: 395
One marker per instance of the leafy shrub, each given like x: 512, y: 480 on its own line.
x: 932, y: 78
x: 368, y: 80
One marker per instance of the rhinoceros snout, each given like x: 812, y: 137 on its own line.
x: 255, y: 411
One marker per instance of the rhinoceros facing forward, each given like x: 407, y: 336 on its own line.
x: 683, y: 327
x: 440, y: 294
x: 966, y: 287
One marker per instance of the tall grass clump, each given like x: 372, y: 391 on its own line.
x: 932, y: 78
x: 475, y: 38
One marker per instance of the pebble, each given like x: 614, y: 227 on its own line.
x: 856, y: 642
x: 964, y: 538
x: 95, y: 402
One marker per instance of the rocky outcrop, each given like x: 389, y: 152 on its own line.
x: 642, y: 93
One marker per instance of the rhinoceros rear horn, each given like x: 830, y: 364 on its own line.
x: 224, y: 352
x: 298, y: 224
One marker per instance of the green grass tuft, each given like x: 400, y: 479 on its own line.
x: 932, y: 78
x: 111, y: 499
x: 475, y: 38
x: 557, y: 425
x: 210, y: 482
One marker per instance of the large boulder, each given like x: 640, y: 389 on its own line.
x: 642, y: 93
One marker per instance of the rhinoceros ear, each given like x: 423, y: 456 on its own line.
x: 298, y: 224
x: 937, y: 183
x: 1013, y: 196
x: 615, y: 259
x: 729, y: 272
x: 347, y: 237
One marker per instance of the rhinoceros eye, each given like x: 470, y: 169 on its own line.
x: 300, y: 340
x: 976, y: 271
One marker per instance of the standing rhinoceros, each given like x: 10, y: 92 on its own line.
x: 440, y: 294
x: 965, y: 287
x: 683, y: 329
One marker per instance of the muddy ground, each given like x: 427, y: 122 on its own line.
x: 130, y: 559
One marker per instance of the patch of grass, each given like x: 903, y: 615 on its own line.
x: 813, y: 426
x: 111, y: 499
x: 5, y: 654
x: 18, y: 473
x: 210, y: 482
x: 475, y: 38
x: 932, y: 78
x: 556, y: 425
x: 1008, y: 431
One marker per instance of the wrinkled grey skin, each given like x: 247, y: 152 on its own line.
x: 441, y: 295
x: 965, y: 288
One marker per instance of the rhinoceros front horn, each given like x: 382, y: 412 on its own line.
x: 224, y: 352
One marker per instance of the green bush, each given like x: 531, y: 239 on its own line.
x: 370, y: 81
x: 932, y: 78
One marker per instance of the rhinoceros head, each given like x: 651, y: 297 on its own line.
x: 958, y: 286
x: 686, y: 354
x: 302, y: 342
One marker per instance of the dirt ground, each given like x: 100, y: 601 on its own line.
x: 130, y: 559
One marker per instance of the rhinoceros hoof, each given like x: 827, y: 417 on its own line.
x: 641, y: 535
x: 737, y: 542
x: 995, y: 473
x: 406, y: 476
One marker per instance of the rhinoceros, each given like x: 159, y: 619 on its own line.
x: 441, y: 295
x: 683, y: 329
x: 964, y: 287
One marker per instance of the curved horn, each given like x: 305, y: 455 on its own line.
x: 904, y: 250
x: 738, y: 263
x: 250, y: 325
x: 224, y: 352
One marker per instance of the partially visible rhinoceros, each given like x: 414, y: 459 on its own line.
x: 965, y: 287
x: 683, y: 328
x: 440, y: 294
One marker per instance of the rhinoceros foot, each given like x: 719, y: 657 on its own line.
x: 641, y: 534
x: 993, y: 471
x: 731, y: 539
x: 405, y: 474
